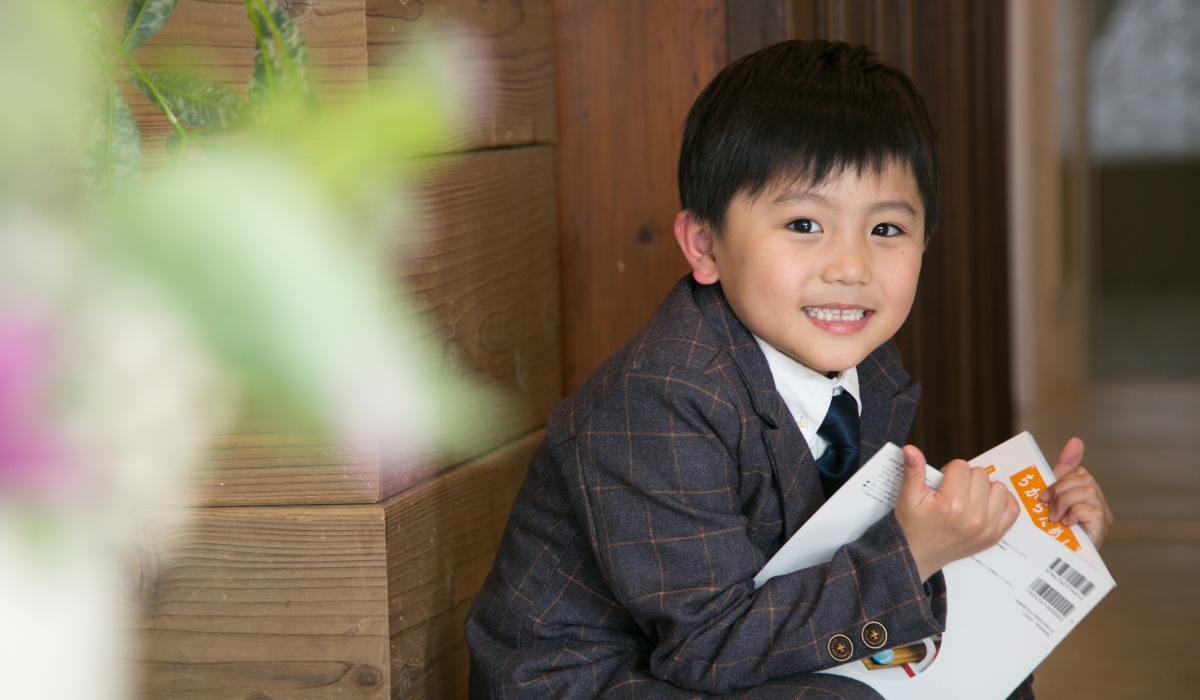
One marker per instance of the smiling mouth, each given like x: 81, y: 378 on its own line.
x: 824, y: 314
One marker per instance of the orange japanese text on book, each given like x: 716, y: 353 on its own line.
x: 1019, y: 463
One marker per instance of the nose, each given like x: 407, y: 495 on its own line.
x: 847, y: 260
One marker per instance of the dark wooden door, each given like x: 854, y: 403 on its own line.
x: 627, y: 72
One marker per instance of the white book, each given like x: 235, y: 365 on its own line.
x: 1007, y: 607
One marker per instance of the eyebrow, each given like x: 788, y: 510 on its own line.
x: 807, y: 196
x: 900, y: 205
x: 800, y: 197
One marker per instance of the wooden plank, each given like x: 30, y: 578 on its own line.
x: 441, y: 539
x: 482, y: 265
x: 266, y: 603
x: 628, y: 73
x: 513, y: 78
x: 257, y: 467
x: 215, y: 40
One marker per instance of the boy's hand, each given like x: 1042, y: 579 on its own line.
x: 967, y: 515
x: 1076, y: 497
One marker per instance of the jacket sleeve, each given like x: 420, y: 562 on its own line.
x: 655, y: 482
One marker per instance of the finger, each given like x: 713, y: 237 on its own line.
x: 1077, y: 477
x: 1090, y: 518
x: 956, y: 477
x: 980, y: 486
x: 913, y: 487
x: 1070, y: 457
x: 1012, y: 510
x: 997, y: 500
x: 1065, y: 500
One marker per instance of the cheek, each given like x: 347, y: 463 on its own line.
x: 900, y: 284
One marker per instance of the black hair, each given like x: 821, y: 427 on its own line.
x: 803, y: 110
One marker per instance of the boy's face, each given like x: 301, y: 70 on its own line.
x: 824, y: 274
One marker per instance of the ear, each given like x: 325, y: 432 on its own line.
x: 697, y: 245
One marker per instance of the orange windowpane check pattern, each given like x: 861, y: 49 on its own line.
x: 1030, y: 484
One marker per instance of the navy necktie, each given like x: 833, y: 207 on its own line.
x: 840, y: 428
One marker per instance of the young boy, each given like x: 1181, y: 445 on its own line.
x: 766, y: 377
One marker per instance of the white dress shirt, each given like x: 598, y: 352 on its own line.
x: 808, y: 393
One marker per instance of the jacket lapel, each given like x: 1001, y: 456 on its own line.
x: 889, y: 401
x: 791, y: 462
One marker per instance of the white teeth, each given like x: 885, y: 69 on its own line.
x: 835, y: 314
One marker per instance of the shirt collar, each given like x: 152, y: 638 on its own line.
x: 806, y: 392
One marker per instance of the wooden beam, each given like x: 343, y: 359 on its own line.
x: 441, y: 539
x: 312, y: 603
x: 483, y: 267
x: 266, y: 603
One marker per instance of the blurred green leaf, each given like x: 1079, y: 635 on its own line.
x: 278, y: 26
x: 47, y: 85
x: 252, y: 251
x: 143, y: 18
x: 112, y: 159
x: 280, y: 82
x: 261, y: 94
x: 93, y: 29
x: 194, y: 101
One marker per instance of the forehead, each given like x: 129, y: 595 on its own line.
x: 891, y: 186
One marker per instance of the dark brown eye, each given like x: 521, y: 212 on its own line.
x: 886, y: 230
x: 804, y: 226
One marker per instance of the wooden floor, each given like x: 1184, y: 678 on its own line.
x: 1143, y: 445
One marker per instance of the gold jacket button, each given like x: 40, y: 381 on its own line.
x: 874, y: 635
x: 840, y: 647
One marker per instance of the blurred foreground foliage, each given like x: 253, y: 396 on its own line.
x: 243, y: 273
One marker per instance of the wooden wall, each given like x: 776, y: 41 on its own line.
x: 627, y: 75
x: 308, y: 572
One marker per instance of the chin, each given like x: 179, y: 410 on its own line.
x: 838, y: 364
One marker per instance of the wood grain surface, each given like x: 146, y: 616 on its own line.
x: 482, y: 265
x: 266, y: 603
x: 508, y: 69
x: 259, y: 466
x: 627, y: 75
x: 441, y: 539
x: 302, y: 602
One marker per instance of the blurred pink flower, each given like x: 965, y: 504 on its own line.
x: 30, y: 456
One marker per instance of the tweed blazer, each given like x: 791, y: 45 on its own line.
x: 662, y: 487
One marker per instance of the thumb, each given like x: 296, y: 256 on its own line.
x: 1070, y: 457
x: 913, y: 488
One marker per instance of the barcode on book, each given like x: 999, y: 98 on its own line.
x: 1077, y: 580
x: 1052, y: 597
